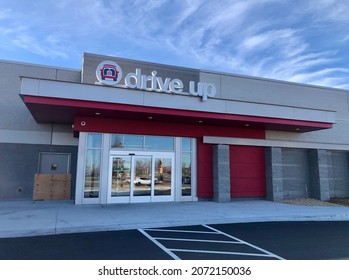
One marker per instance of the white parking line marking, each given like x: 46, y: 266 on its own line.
x: 168, y: 251
x: 244, y: 242
x: 222, y: 253
x: 197, y: 240
x: 183, y: 231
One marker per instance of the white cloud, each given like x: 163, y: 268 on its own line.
x: 286, y: 69
x: 330, y: 10
x: 261, y: 41
x: 317, y: 75
x: 21, y: 38
x: 47, y: 47
x: 332, y: 82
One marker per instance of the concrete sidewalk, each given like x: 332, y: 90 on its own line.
x: 28, y: 218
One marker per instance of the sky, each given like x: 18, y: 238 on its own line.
x: 303, y: 41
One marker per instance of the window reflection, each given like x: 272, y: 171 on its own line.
x: 163, y: 176
x: 94, y: 140
x: 186, y: 144
x: 139, y: 142
x: 186, y: 166
x: 121, y: 176
x: 130, y: 142
x: 158, y: 143
x: 93, y: 165
x: 142, y: 180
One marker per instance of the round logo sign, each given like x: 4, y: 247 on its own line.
x: 109, y: 73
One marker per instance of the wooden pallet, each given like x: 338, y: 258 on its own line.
x: 52, y: 186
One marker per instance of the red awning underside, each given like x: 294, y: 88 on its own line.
x: 63, y: 111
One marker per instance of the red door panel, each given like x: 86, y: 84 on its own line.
x: 247, y: 172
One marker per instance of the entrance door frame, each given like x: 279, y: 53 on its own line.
x: 141, y: 199
x: 106, y: 151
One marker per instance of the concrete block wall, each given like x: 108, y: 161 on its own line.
x: 274, y: 178
x: 301, y: 173
x: 295, y: 173
x: 221, y: 173
x: 319, y: 175
x: 339, y: 173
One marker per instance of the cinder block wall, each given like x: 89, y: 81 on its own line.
x: 339, y: 173
x: 295, y: 173
x: 302, y: 173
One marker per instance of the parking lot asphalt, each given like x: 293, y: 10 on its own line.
x: 308, y: 240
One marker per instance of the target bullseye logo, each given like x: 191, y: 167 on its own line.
x: 109, y: 73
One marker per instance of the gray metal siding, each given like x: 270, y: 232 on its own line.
x: 19, y: 163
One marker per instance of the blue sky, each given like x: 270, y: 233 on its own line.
x: 293, y: 40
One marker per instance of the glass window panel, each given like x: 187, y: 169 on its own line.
x: 117, y: 141
x: 121, y: 176
x: 186, y: 174
x: 186, y: 144
x: 159, y: 143
x: 133, y: 142
x: 163, y: 176
x: 142, y: 179
x: 94, y: 140
x: 121, y: 141
x: 92, y: 172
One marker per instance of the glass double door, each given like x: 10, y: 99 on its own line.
x: 143, y: 177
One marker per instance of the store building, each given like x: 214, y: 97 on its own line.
x: 130, y: 131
